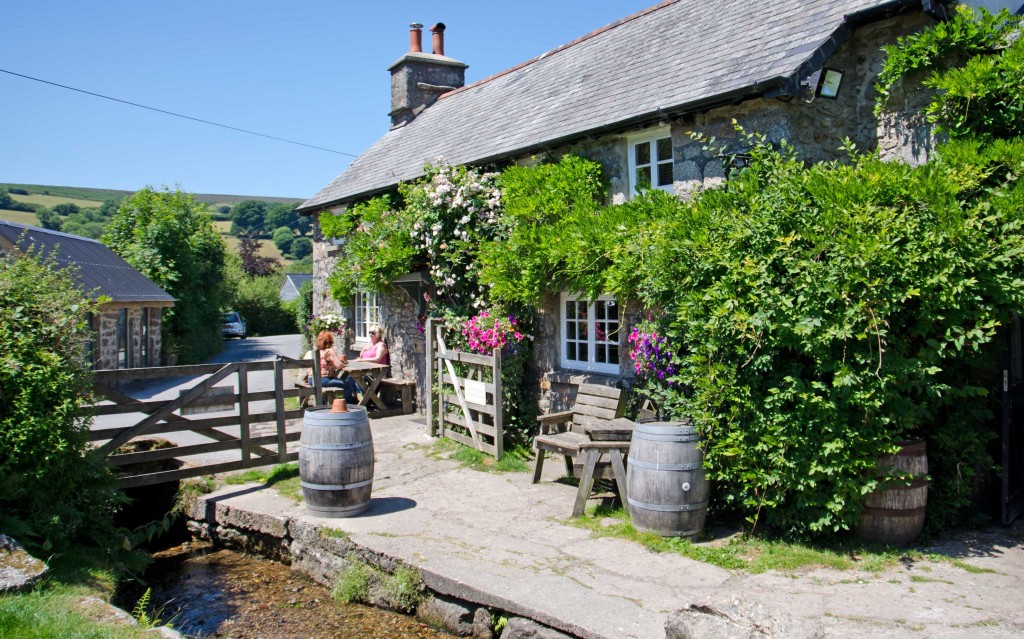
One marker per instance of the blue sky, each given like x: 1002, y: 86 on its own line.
x: 315, y: 72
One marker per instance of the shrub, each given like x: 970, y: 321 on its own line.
x: 302, y: 247
x: 283, y: 238
x: 258, y: 300
x: 55, y: 491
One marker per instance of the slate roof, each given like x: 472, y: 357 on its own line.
x: 676, y: 57
x: 100, y: 270
x: 297, y: 279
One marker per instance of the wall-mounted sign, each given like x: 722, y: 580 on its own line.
x: 476, y: 392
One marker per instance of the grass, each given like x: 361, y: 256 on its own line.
x: 53, y: 200
x: 70, y: 193
x: 963, y: 565
x: 283, y: 477
x: 53, y: 610
x: 353, y: 584
x: 514, y: 460
x: 19, y: 217
x: 334, y: 533
x: 748, y: 554
x: 405, y: 587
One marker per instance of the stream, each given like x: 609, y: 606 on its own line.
x: 206, y: 592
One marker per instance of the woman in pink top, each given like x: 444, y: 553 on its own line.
x: 377, y: 351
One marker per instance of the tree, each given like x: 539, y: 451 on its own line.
x: 48, y: 219
x: 65, y: 208
x: 247, y: 217
x: 302, y: 247
x: 253, y: 264
x: 55, y: 490
x: 283, y: 238
x: 279, y: 215
x: 303, y: 224
x: 169, y: 237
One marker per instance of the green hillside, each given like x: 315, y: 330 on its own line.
x: 75, y: 193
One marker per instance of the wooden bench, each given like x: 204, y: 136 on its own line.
x: 330, y: 394
x: 563, y: 432
x: 404, y: 389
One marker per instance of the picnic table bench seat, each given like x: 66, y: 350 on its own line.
x: 563, y: 432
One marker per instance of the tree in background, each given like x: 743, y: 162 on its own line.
x: 9, y: 203
x: 278, y: 215
x: 65, y: 209
x: 258, y: 300
x: 302, y: 247
x: 55, y: 491
x: 247, y: 218
x: 169, y: 237
x: 48, y: 219
x: 283, y: 238
x: 254, y: 264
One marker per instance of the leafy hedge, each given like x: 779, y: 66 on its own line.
x: 53, y: 491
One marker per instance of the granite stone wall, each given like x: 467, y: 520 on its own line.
x: 105, y: 326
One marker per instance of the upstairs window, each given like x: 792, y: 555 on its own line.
x: 650, y: 161
x: 590, y: 334
x: 367, y: 314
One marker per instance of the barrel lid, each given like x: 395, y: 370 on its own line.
x: 681, y: 427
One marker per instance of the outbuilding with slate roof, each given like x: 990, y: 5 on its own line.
x: 127, y: 325
x: 628, y: 96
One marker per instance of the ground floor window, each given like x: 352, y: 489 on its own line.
x: 144, y: 339
x: 367, y: 314
x: 89, y: 346
x: 590, y: 334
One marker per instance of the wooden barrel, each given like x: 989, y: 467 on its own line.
x: 665, y: 484
x: 336, y: 462
x: 894, y: 513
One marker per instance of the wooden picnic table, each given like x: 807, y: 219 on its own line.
x: 368, y: 377
x: 606, y: 438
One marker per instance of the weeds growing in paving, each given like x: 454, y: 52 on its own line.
x: 353, y: 584
x: 283, y: 477
x: 757, y: 555
x: 515, y: 460
x: 405, y: 588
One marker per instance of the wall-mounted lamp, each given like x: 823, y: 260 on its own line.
x: 829, y: 82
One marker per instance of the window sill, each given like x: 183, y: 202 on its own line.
x: 565, y: 376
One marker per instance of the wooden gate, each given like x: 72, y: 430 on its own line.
x: 465, y: 393
x: 265, y: 444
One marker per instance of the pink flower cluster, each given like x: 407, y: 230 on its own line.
x: 650, y: 354
x: 485, y: 333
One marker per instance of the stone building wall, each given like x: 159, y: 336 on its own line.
x: 105, y: 325
x: 814, y: 127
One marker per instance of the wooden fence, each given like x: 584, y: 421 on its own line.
x: 261, y: 446
x: 465, y: 394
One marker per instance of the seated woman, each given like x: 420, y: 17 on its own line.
x: 376, y: 352
x: 331, y: 365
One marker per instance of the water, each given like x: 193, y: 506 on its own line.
x: 204, y: 592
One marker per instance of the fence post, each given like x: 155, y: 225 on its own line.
x: 430, y: 377
x: 499, y: 433
x: 243, y: 410
x: 282, y: 444
x: 318, y: 387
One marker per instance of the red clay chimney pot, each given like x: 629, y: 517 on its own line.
x: 415, y: 38
x: 438, y: 40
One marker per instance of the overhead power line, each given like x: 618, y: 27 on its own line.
x: 178, y: 115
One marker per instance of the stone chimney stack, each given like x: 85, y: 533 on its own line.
x: 418, y: 79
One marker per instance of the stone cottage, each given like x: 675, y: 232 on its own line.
x: 127, y: 326
x: 629, y: 95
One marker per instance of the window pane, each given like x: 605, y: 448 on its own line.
x: 665, y: 174
x: 581, y: 311
x: 570, y: 351
x: 600, y: 332
x: 664, y: 149
x: 613, y: 310
x: 643, y: 178
x: 599, y: 309
x: 613, y: 354
x: 570, y: 309
x: 643, y: 153
x: 570, y: 330
x: 613, y: 332
x: 582, y: 353
x: 599, y: 355
x: 583, y: 330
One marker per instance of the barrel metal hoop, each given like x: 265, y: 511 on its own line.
x: 347, y: 446
x: 883, y: 512
x: 638, y: 463
x: 358, y: 484
x: 666, y: 437
x: 675, y: 533
x: 667, y: 508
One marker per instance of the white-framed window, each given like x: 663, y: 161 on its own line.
x: 650, y: 161
x: 367, y: 314
x: 591, y: 334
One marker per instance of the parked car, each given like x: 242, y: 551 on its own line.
x: 232, y: 325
